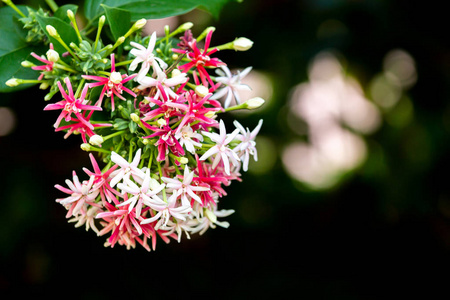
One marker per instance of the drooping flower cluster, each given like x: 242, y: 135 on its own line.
x: 168, y: 156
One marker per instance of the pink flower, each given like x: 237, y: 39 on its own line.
x: 101, y: 180
x: 70, y: 105
x: 81, y: 194
x: 112, y: 85
x: 166, y: 142
x: 200, y: 59
x: 123, y: 224
x: 48, y: 67
x: 194, y: 110
x: 81, y: 127
x: 164, y: 105
x: 207, y: 176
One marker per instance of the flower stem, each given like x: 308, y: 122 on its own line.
x: 62, y: 67
x: 53, y: 6
x: 92, y: 148
x: 123, y: 63
x: 80, y: 86
x: 13, y: 6
x: 113, y: 135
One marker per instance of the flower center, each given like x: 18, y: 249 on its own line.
x: 115, y: 77
x: 71, y: 107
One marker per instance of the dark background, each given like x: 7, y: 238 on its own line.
x: 375, y: 235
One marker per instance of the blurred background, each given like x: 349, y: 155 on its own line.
x: 349, y: 199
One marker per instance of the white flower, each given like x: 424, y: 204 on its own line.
x: 127, y: 168
x: 179, y: 227
x: 87, y: 219
x: 247, y: 145
x: 141, y: 195
x: 80, y: 193
x: 166, y: 83
x: 166, y: 210
x: 220, y: 150
x: 146, y: 57
x: 185, y: 137
x: 232, y: 85
x: 184, y: 188
x: 210, y: 220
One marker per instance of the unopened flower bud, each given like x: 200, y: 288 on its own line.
x: 140, y: 23
x: 242, y: 44
x: 120, y: 40
x: 175, y: 56
x: 183, y: 160
x: 85, y: 147
x: 13, y: 82
x: 211, y: 216
x: 52, y: 55
x: 210, y: 114
x: 27, y: 64
x: 44, y: 85
x: 70, y: 14
x: 186, y: 26
x: 115, y: 77
x: 144, y: 141
x: 96, y: 140
x: 101, y: 20
x: 176, y: 73
x: 201, y: 90
x: 48, y: 97
x: 205, y: 32
x: 254, y: 103
x: 134, y: 117
x: 51, y: 30
x: 161, y: 122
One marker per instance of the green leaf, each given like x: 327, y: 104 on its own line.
x: 153, y: 9
x: 14, y: 50
x: 66, y: 31
x: 119, y: 20
x: 61, y: 13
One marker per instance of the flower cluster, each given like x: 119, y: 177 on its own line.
x: 167, y: 155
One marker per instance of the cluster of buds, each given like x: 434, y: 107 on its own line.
x: 167, y: 155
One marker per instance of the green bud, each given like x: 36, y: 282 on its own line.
x: 13, y: 82
x: 85, y: 147
x: 52, y: 31
x: 242, y: 44
x: 254, y: 103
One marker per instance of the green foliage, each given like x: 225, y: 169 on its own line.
x: 21, y: 36
x: 35, y: 34
x: 114, y: 14
x: 61, y: 13
x: 152, y: 9
x: 13, y: 49
x: 65, y: 30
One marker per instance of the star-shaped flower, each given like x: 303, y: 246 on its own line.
x: 146, y: 57
x: 220, y: 150
x: 232, y: 85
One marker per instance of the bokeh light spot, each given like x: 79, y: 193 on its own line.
x: 7, y: 121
